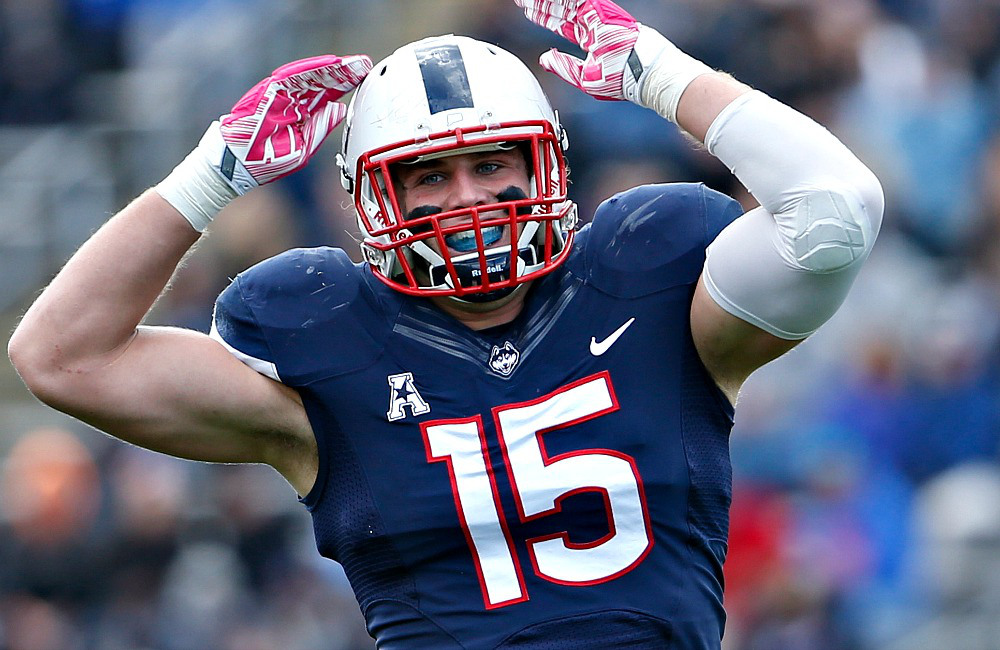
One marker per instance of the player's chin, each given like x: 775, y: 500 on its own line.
x: 486, y: 306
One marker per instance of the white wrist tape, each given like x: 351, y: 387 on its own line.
x: 787, y: 266
x: 195, y: 187
x: 666, y: 73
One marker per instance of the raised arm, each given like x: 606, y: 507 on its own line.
x: 779, y: 272
x: 80, y: 347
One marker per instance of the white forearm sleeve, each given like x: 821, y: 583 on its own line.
x: 787, y: 266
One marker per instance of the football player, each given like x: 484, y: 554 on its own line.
x: 510, y: 431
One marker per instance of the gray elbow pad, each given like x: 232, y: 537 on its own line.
x: 828, y: 230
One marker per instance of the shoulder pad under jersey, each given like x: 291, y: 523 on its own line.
x: 301, y: 316
x: 653, y: 237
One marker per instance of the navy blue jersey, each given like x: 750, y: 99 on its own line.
x: 562, y: 481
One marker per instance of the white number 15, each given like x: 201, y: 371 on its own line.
x: 540, y: 482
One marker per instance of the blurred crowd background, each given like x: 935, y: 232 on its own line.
x: 867, y: 495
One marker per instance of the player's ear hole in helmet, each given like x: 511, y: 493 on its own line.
x: 444, y: 96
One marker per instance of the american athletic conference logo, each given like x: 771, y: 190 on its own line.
x: 504, y: 359
x: 402, y: 394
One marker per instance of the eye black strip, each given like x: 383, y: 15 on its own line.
x: 445, y: 78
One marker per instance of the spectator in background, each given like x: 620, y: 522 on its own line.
x: 37, y: 66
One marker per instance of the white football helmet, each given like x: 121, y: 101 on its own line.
x: 443, y: 96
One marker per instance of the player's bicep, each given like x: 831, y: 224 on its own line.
x: 181, y: 393
x: 730, y: 348
x: 764, y: 288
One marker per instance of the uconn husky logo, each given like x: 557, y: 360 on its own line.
x: 504, y: 359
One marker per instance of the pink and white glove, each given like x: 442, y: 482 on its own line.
x: 606, y: 31
x: 622, y: 55
x: 272, y: 131
x: 281, y: 122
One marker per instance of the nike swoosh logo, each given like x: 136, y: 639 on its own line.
x: 599, y: 348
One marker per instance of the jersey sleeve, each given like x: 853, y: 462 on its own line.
x: 233, y: 326
x: 653, y: 237
x: 300, y: 316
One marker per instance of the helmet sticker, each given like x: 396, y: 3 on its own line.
x: 445, y: 78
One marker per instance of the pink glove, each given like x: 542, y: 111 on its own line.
x: 606, y: 31
x: 271, y: 132
x: 281, y: 122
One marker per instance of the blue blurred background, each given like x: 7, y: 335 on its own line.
x: 867, y: 498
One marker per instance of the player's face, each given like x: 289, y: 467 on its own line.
x: 463, y: 181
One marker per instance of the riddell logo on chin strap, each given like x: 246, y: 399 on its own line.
x: 496, y: 267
